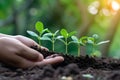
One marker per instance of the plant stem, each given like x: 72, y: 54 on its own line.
x: 78, y: 50
x: 53, y: 41
x: 39, y: 38
x: 39, y: 41
x: 53, y: 46
x: 66, y: 46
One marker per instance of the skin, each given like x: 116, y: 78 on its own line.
x: 15, y: 51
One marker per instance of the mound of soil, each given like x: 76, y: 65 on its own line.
x: 72, y: 68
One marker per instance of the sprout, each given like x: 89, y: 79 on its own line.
x: 45, y: 34
x: 66, y: 35
x: 92, y: 42
x: 51, y: 37
x: 78, y: 42
x: 40, y: 29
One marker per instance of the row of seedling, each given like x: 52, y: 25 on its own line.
x: 46, y: 34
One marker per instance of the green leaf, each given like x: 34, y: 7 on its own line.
x: 95, y: 36
x: 61, y: 40
x: 96, y: 54
x: 73, y: 42
x: 45, y: 30
x: 103, y: 42
x: 83, y: 40
x: 72, y: 33
x: 64, y: 33
x: 39, y: 26
x: 74, y: 38
x: 47, y: 34
x: 56, y: 32
x: 90, y: 40
x: 32, y: 33
x: 59, y: 37
x: 45, y: 38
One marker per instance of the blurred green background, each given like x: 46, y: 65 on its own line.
x: 87, y: 17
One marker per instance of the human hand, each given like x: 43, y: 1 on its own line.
x: 16, y: 52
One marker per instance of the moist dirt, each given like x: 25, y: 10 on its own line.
x: 72, y: 68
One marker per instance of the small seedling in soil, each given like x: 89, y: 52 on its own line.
x: 40, y: 29
x: 66, y: 35
x: 52, y: 37
x: 92, y: 42
x: 45, y: 34
x: 78, y: 42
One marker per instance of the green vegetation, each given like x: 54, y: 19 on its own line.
x: 92, y: 42
x: 52, y: 37
x: 65, y: 35
x: 78, y: 42
x: 40, y: 28
x: 86, y: 41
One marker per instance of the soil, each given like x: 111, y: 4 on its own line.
x: 72, y: 68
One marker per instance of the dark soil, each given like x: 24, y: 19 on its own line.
x: 72, y: 68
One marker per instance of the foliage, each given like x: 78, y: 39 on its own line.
x: 78, y: 42
x: 52, y: 37
x: 66, y: 35
x: 92, y: 43
x: 40, y: 28
x: 89, y: 41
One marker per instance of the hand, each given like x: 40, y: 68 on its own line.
x: 16, y: 51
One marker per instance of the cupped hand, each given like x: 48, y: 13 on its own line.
x: 16, y: 51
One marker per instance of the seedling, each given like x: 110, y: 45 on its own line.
x: 45, y: 34
x: 52, y: 37
x: 78, y: 42
x: 66, y: 35
x: 40, y: 29
x: 93, y: 42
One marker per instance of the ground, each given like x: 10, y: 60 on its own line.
x: 72, y: 68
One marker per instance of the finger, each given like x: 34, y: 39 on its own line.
x: 50, y: 61
x: 27, y: 41
x: 30, y: 54
x: 52, y: 56
x: 17, y: 61
x: 43, y: 48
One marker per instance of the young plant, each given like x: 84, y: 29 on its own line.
x: 40, y: 29
x: 78, y: 42
x: 66, y: 35
x: 93, y: 42
x: 51, y: 37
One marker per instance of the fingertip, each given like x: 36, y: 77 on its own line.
x: 59, y: 58
x: 43, y: 48
x: 54, y: 60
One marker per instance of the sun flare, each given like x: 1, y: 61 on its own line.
x: 115, y: 5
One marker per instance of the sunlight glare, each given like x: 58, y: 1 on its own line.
x: 115, y: 5
x: 93, y: 8
x: 105, y: 12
